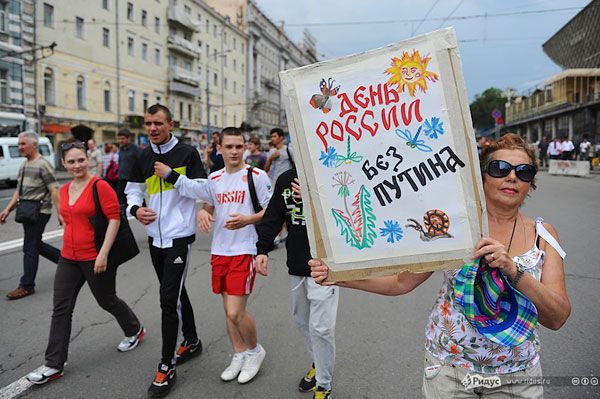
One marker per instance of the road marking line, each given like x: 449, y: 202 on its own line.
x: 16, y: 388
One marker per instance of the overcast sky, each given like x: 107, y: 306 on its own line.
x: 499, y: 51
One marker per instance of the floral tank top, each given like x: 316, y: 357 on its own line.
x: 453, y: 340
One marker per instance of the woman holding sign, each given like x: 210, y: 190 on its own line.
x: 494, y: 303
x: 80, y: 262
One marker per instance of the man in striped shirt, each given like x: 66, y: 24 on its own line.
x: 36, y: 182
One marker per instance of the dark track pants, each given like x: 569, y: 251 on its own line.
x: 70, y: 277
x: 177, y: 313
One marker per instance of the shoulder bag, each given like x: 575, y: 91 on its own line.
x: 124, y: 247
x: 28, y: 211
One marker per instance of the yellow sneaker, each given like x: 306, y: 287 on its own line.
x: 322, y: 393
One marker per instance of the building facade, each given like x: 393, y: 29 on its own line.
x: 17, y: 110
x: 567, y: 104
x: 269, y: 51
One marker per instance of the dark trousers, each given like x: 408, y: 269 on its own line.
x: 176, y: 310
x: 69, y: 278
x: 33, y: 247
x: 121, y: 183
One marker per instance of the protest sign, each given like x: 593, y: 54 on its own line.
x: 386, y: 153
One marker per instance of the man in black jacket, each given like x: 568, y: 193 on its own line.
x: 314, y: 306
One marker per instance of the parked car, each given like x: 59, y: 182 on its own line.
x: 11, y: 160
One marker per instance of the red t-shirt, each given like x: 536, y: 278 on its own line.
x: 78, y: 239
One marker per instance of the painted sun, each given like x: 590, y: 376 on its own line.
x: 410, y: 72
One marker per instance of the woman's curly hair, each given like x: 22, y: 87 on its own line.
x: 510, y: 141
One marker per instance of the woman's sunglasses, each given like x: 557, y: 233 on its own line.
x: 73, y: 144
x: 498, y: 168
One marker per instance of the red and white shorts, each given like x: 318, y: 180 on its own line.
x: 233, y: 275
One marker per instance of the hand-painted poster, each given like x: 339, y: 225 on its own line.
x: 387, y: 155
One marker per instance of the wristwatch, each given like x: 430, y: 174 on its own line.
x: 518, y: 277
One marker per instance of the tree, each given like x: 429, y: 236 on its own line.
x: 483, y: 106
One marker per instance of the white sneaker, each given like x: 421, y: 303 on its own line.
x: 129, y: 343
x: 251, y: 365
x: 232, y: 371
x: 44, y: 374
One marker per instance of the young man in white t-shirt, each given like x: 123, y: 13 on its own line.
x: 233, y: 245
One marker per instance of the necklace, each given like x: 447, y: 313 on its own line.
x: 512, y: 234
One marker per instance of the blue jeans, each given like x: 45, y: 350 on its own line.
x: 33, y: 247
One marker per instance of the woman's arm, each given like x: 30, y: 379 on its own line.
x: 109, y: 239
x: 398, y: 284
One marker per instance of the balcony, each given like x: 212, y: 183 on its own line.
x: 183, y: 81
x: 178, y: 43
x: 272, y: 84
x: 178, y: 14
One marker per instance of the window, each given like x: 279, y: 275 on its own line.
x: 225, y: 83
x: 130, y: 11
x: 157, y: 56
x: 4, y: 17
x: 80, y: 92
x: 216, y: 79
x: 144, y: 18
x: 157, y: 24
x: 107, y: 97
x: 130, y: 46
x: 158, y: 99
x: 48, y: 16
x: 79, y: 27
x: 215, y: 30
x: 105, y: 4
x: 180, y: 110
x: 105, y: 37
x: 190, y: 112
x: 207, y: 51
x: 3, y: 86
x: 187, y: 36
x: 49, y: 89
x: 172, y: 31
x: 187, y: 66
x: 145, y: 51
x: 207, y: 26
x: 235, y: 65
x: 234, y: 43
x: 131, y: 100
x: 234, y: 87
x: 224, y: 56
x: 145, y: 101
x: 172, y: 60
x: 215, y: 54
x: 187, y: 9
x: 234, y: 119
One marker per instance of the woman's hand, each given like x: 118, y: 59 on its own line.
x: 319, y: 272
x: 495, y: 255
x: 161, y: 170
x: 100, y: 264
x: 296, y: 190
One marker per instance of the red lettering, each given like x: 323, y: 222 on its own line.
x: 359, y: 97
x: 371, y: 129
x: 413, y: 108
x: 337, y: 124
x: 375, y: 95
x: 390, y: 94
x: 391, y: 116
x: 346, y: 105
x: 356, y: 135
x: 322, y: 131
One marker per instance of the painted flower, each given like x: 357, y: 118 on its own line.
x: 445, y: 308
x: 433, y: 127
x: 392, y: 230
x: 328, y: 158
x: 454, y: 349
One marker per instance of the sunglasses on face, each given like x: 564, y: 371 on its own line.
x: 74, y: 144
x: 499, y: 168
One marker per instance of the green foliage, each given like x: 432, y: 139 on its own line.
x: 483, y: 106
x: 346, y: 230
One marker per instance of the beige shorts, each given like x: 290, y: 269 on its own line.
x: 443, y: 381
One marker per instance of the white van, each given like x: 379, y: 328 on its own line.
x: 11, y: 160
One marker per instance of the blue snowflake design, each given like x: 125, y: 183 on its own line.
x: 433, y: 127
x: 392, y: 230
x: 328, y: 158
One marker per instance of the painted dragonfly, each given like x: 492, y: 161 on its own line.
x: 350, y: 157
x: 412, y: 141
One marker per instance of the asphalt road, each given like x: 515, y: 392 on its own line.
x: 379, y: 339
